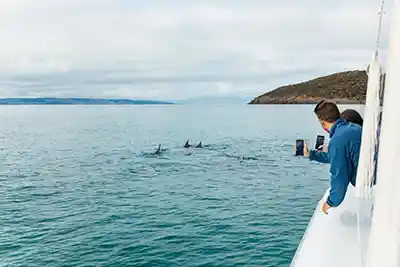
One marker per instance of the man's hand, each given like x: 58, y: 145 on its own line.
x: 325, y: 208
x: 305, y: 150
x: 323, y: 148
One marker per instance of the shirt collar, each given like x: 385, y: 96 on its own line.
x: 336, y: 125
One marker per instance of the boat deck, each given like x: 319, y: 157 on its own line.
x: 332, y: 240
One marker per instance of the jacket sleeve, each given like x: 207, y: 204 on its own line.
x: 340, y: 172
x: 320, y: 156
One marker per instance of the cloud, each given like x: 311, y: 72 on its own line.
x: 178, y: 49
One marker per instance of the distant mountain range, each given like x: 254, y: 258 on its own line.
x: 78, y: 101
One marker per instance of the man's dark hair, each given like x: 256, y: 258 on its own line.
x: 327, y: 111
x: 353, y: 116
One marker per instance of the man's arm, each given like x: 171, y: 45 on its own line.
x: 320, y: 156
x: 340, y: 173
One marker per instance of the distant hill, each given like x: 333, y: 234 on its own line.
x: 77, y: 101
x: 344, y: 88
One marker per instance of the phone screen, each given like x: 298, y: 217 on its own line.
x: 320, y: 141
x: 299, y: 147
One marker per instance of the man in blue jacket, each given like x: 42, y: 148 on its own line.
x: 344, y: 151
x: 349, y: 115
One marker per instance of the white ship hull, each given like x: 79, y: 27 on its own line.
x: 332, y: 240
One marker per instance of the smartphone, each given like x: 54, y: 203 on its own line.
x: 320, y: 141
x: 299, y: 147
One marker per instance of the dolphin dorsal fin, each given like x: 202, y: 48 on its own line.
x: 158, y: 149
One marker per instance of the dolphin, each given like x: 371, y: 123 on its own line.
x: 200, y: 145
x: 158, y: 151
x: 187, y: 145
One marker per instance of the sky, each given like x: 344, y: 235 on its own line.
x: 179, y: 49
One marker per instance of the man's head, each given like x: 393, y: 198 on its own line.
x: 328, y: 113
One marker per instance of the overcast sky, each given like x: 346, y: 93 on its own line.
x: 177, y: 49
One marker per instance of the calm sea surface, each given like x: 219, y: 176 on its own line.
x: 81, y: 187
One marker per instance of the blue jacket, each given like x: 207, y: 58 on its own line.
x: 344, y: 152
x: 320, y: 156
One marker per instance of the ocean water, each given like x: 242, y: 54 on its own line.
x: 80, y: 185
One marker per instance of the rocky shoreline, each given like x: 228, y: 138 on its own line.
x: 343, y: 88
